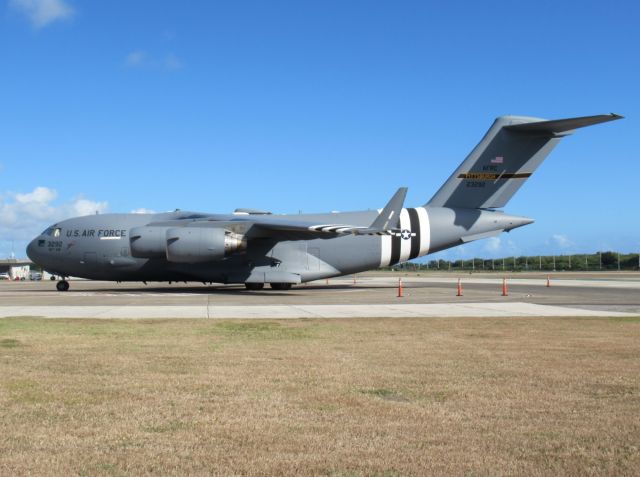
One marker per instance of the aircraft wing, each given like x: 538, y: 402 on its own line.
x: 319, y: 230
x: 258, y: 226
x: 385, y: 223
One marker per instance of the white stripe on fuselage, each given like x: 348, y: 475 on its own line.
x: 425, y: 230
x: 385, y: 255
x: 405, y: 245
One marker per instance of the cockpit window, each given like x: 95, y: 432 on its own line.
x: 52, y: 231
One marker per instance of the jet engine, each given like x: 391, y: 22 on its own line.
x: 201, y: 244
x: 148, y: 241
x: 184, y: 244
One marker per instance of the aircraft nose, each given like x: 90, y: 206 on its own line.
x: 32, y: 251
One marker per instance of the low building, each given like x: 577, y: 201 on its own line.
x: 17, y: 269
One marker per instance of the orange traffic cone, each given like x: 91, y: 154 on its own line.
x: 504, y: 287
x: 400, y: 289
x: 459, y: 288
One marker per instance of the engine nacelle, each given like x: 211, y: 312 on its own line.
x: 201, y: 244
x: 148, y: 241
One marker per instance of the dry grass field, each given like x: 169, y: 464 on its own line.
x: 384, y: 397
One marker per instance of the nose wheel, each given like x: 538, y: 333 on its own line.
x: 62, y: 285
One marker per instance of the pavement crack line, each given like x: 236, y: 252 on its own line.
x: 306, y: 311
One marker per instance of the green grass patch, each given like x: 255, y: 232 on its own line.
x: 9, y: 343
x: 386, y: 394
x: 264, y: 330
x: 352, y: 473
x: 25, y: 391
x: 625, y: 319
x: 169, y: 427
x: 94, y: 328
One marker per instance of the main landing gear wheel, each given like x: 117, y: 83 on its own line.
x: 62, y: 285
x: 280, y: 286
x: 254, y: 286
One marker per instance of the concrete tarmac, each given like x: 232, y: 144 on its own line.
x: 369, y: 295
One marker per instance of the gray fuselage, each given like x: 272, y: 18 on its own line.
x: 99, y: 246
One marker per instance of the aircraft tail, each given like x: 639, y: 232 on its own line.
x: 505, y: 158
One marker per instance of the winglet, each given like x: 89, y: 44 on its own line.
x: 389, y: 218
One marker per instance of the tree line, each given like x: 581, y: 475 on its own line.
x: 575, y: 262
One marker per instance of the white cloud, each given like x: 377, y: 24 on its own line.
x: 561, y: 241
x: 141, y: 59
x: 172, y: 62
x: 460, y: 251
x: 43, y: 12
x: 142, y: 210
x: 499, y: 246
x: 136, y: 58
x: 24, y: 215
x: 81, y: 206
x: 493, y: 244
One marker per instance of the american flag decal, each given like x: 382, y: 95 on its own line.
x: 497, y: 160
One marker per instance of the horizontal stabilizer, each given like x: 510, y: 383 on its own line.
x: 563, y: 125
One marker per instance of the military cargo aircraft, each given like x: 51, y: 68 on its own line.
x: 254, y: 247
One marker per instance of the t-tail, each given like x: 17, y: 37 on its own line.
x: 510, y: 152
x: 465, y: 208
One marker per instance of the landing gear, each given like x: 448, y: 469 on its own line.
x: 62, y: 285
x: 280, y: 286
x: 254, y: 286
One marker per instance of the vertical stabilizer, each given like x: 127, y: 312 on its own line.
x: 505, y: 158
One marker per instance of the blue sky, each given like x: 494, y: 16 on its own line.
x: 314, y: 106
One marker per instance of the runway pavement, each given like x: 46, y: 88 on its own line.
x: 369, y: 295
